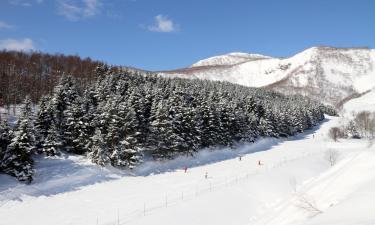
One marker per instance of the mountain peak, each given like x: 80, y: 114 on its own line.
x: 230, y: 59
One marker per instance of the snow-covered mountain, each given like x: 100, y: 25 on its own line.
x: 230, y: 59
x: 333, y: 75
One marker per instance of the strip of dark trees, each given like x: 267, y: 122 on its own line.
x: 125, y: 118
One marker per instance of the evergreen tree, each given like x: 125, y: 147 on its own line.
x: 99, y: 153
x: 75, y: 128
x: 5, y: 138
x: 17, y: 159
x: 43, y: 123
x: 161, y: 135
x: 51, y: 144
x: 64, y: 95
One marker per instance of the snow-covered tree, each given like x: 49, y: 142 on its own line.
x: 99, y: 153
x: 43, y: 125
x: 5, y: 138
x: 17, y: 159
x: 52, y: 144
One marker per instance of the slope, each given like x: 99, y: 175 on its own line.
x: 331, y: 74
x: 236, y: 190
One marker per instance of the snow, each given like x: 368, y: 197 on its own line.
x: 364, y: 103
x: 328, y: 190
x: 229, y: 59
x: 340, y: 72
x: 71, y: 190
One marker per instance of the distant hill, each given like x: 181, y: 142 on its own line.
x: 36, y: 73
x: 331, y: 75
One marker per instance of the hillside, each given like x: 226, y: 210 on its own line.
x: 71, y: 190
x: 35, y: 74
x: 229, y: 59
x: 331, y: 74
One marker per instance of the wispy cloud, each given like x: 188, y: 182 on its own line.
x: 25, y: 44
x: 77, y: 10
x: 23, y: 3
x: 4, y: 25
x: 163, y: 24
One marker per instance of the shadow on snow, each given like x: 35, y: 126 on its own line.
x: 70, y: 173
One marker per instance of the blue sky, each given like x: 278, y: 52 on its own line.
x: 168, y: 34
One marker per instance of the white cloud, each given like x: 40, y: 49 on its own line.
x: 163, y: 24
x: 4, y: 25
x: 77, y: 10
x: 25, y: 44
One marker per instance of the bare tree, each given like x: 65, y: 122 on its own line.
x: 332, y: 156
x: 308, y: 204
x: 36, y: 74
x: 363, y: 122
x: 334, y: 133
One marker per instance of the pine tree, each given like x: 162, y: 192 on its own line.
x: 266, y: 125
x: 52, y: 143
x: 125, y: 155
x: 352, y: 130
x: 191, y: 131
x: 161, y: 135
x: 75, y: 132
x: 64, y: 96
x: 5, y: 138
x: 17, y: 159
x: 43, y: 123
x: 99, y: 153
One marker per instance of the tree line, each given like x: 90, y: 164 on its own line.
x: 36, y: 74
x: 124, y: 118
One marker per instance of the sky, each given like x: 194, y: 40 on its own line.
x: 168, y: 34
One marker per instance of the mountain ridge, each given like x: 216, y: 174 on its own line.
x: 322, y: 73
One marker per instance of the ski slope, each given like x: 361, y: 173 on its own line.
x: 71, y: 190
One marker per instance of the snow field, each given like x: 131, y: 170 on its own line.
x: 77, y: 192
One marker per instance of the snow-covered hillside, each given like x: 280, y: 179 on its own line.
x: 363, y: 103
x: 73, y: 191
x: 229, y: 59
x: 330, y: 74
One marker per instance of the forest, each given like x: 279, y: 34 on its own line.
x: 123, y: 118
x: 36, y: 74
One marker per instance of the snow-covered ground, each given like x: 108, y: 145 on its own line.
x: 364, y: 103
x: 294, y: 172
